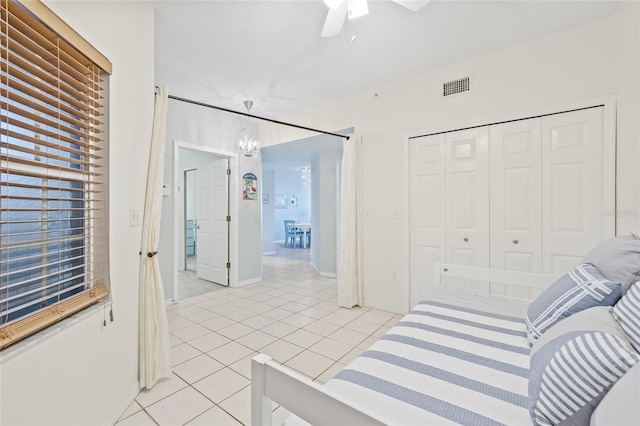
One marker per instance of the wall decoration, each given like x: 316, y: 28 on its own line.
x: 250, y: 191
x: 280, y: 201
x: 265, y: 198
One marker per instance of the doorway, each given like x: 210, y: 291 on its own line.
x: 205, y: 239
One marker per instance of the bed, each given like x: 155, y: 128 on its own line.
x: 569, y: 356
x: 476, y: 373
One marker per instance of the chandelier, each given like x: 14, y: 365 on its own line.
x: 248, y: 144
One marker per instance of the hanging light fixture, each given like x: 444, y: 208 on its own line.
x: 249, y: 145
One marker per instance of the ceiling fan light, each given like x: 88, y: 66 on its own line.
x: 358, y: 8
x: 333, y: 4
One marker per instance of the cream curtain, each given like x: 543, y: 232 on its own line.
x: 154, y: 349
x: 350, y: 242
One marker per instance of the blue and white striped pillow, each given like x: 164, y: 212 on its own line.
x: 627, y: 313
x: 571, y: 374
x: 581, y: 288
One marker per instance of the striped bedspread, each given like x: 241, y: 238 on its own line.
x: 444, y: 364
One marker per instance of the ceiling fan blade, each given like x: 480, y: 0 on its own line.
x: 335, y: 19
x: 414, y: 5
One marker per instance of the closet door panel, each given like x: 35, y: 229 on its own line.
x: 573, y: 188
x: 516, y: 211
x: 427, y: 212
x: 467, y: 202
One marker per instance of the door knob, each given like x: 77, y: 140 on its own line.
x: 465, y: 239
x: 515, y: 241
x: 197, y: 226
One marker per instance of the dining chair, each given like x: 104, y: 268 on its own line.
x: 291, y: 233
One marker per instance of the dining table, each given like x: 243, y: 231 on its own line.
x: 305, y: 227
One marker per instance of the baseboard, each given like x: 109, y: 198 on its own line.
x: 247, y: 282
x: 322, y: 273
x: 268, y: 253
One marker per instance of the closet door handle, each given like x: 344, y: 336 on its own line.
x: 465, y: 239
x: 515, y: 241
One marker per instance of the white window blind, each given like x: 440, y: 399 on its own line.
x: 53, y: 163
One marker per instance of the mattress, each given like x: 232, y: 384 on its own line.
x: 454, y: 359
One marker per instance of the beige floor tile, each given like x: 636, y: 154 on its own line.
x: 276, y: 302
x: 229, y: 353
x: 217, y: 323
x: 310, y: 363
x: 281, y: 350
x: 330, y: 372
x: 200, y: 316
x: 197, y: 368
x: 256, y: 340
x: 366, y: 343
x: 362, y: 326
x: 279, y: 329
x: 259, y: 308
x: 303, y: 338
x: 348, y: 336
x: 243, y: 366
x: 277, y: 314
x: 298, y: 320
x: 139, y: 419
x: 240, y: 314
x: 239, y: 405
x: 216, y: 416
x: 322, y: 328
x: 221, y: 384
x: 378, y: 317
x: 338, y: 319
x: 258, y: 322
x: 182, y: 353
x: 279, y: 416
x: 190, y: 333
x: 209, y: 342
x: 162, y: 389
x: 179, y: 408
x: 331, y: 348
x: 314, y: 313
x: 235, y: 331
x: 177, y: 323
x: 133, y: 408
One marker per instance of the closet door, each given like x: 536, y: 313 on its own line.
x: 516, y: 208
x: 572, y: 187
x: 467, y: 202
x: 427, y: 212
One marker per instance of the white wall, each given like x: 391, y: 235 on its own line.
x: 590, y: 61
x: 80, y: 373
x: 325, y: 190
x: 268, y: 213
x: 208, y: 128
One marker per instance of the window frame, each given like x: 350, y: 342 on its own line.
x: 74, y: 49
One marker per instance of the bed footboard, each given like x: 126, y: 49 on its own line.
x: 308, y: 400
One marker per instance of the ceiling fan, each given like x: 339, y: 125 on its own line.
x: 339, y: 9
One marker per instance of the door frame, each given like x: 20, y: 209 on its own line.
x: 233, y: 208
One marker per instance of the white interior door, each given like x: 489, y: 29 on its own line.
x: 572, y: 187
x: 427, y: 212
x: 212, y: 206
x: 467, y: 202
x: 516, y: 208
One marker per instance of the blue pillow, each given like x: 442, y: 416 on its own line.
x: 627, y: 313
x: 571, y: 374
x: 581, y: 288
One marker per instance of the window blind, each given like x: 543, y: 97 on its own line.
x: 53, y: 163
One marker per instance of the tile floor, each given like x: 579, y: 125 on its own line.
x: 291, y: 315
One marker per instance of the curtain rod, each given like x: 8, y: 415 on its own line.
x: 177, y: 98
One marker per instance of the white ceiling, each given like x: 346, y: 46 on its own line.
x: 271, y: 51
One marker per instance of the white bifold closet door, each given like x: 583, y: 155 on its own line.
x: 516, y: 200
x: 467, y: 202
x: 427, y: 214
x: 573, y: 190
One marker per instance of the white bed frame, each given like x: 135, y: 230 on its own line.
x: 317, y: 405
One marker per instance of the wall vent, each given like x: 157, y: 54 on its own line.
x: 454, y: 87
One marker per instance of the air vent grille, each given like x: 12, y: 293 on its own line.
x: 456, y: 86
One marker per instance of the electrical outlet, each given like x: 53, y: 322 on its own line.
x: 135, y: 218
